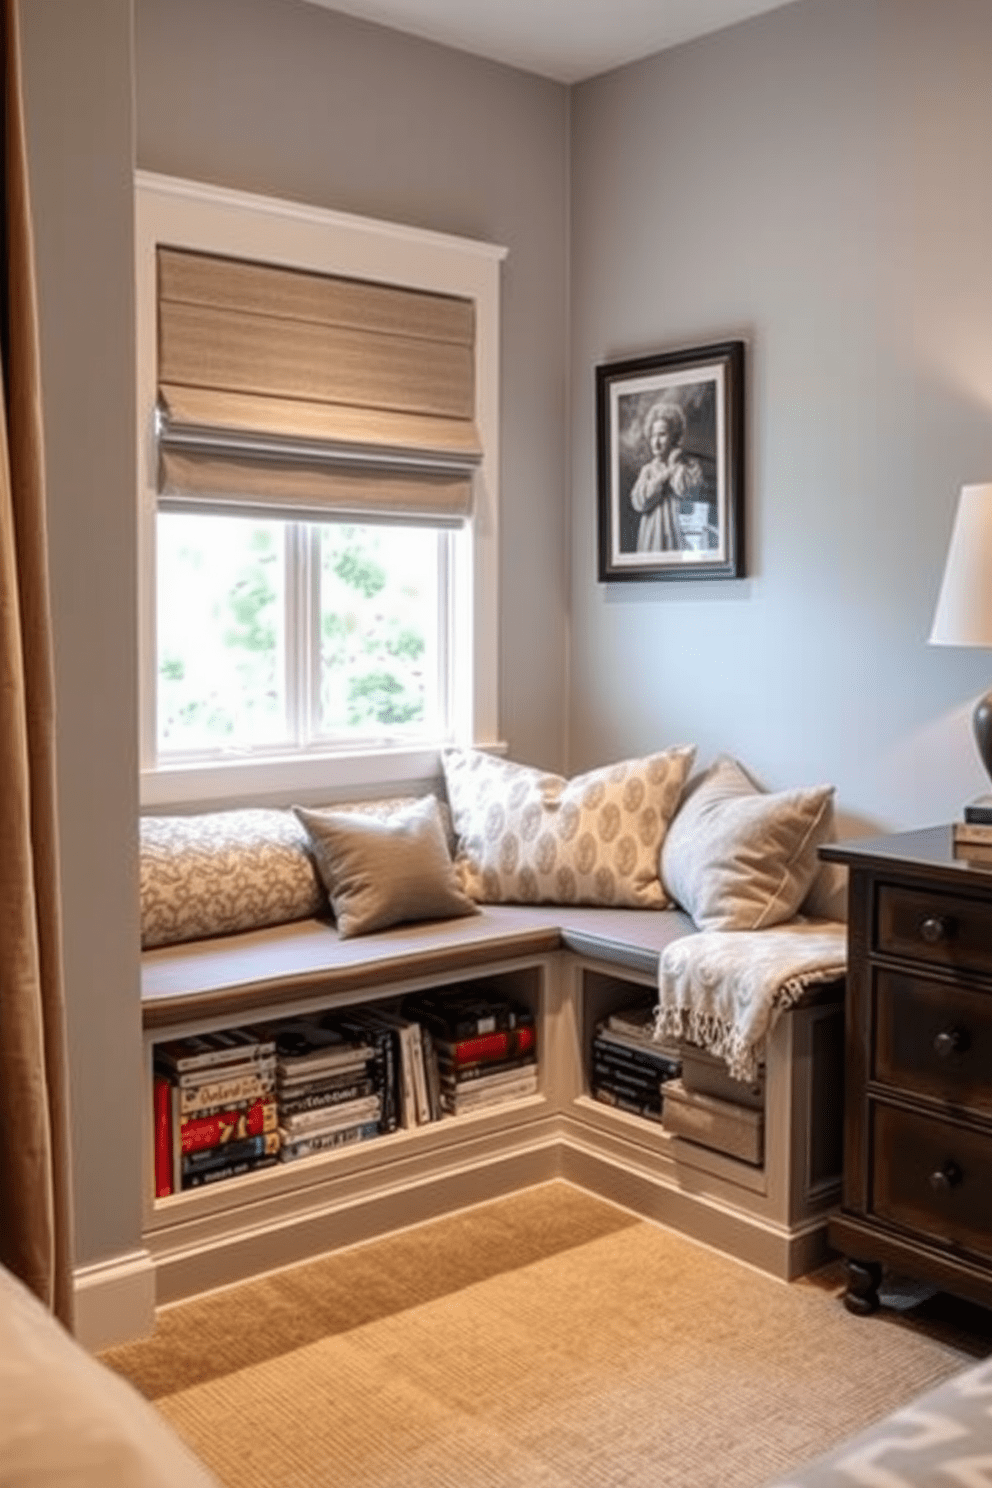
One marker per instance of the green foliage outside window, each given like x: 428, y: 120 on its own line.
x: 222, y: 629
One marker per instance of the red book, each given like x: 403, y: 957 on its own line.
x: 505, y: 1043
x: 163, y: 1136
x: 226, y: 1126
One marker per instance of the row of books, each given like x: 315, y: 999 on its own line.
x: 629, y: 1068
x: 232, y: 1102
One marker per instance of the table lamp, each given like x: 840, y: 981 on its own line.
x: 963, y: 616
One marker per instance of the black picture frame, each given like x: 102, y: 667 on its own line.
x: 674, y: 508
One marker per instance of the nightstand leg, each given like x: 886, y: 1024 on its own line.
x: 863, y: 1281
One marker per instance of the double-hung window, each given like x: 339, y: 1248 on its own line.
x: 318, y: 419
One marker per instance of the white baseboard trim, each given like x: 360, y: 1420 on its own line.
x: 115, y: 1300
x: 190, y: 1269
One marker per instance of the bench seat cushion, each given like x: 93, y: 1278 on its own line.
x: 261, y: 966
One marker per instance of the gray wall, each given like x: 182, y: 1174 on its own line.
x: 295, y: 101
x: 78, y: 106
x: 817, y: 181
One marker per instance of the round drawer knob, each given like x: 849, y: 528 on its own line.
x: 950, y: 1041
x: 935, y: 928
x: 946, y: 1177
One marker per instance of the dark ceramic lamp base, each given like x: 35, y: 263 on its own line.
x: 981, y: 810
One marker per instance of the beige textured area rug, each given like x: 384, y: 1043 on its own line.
x: 544, y: 1341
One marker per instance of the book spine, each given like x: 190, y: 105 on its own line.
x: 650, y: 1072
x: 319, y: 1100
x: 163, y: 1136
x: 408, y: 1099
x: 297, y: 1071
x: 198, y: 1099
x: 327, y: 1141
x: 385, y: 1042
x: 973, y: 832
x: 219, y: 1048
x: 625, y: 1103
x: 475, y: 1097
x: 506, y: 1044
x: 228, y: 1152
x: 177, y: 1150
x: 644, y: 1059
x: 385, y: 1076
x: 462, y: 1074
x: 249, y: 1120
x: 324, y: 1061
x: 330, y: 1118
x: 229, y: 1170
x: 452, y: 1022
x: 433, y: 1073
x: 649, y: 1098
x: 232, y: 1070
x: 419, y: 1075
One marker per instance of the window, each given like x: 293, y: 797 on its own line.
x: 318, y: 439
x: 276, y: 635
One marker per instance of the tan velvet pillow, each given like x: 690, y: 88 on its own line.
x: 525, y: 836
x: 739, y: 858
x: 381, y: 872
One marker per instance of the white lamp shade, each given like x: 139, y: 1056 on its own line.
x: 963, y: 616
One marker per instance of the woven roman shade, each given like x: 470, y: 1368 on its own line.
x: 311, y: 393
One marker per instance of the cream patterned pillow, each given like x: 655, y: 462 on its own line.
x: 533, y: 838
x: 738, y: 858
x: 223, y: 871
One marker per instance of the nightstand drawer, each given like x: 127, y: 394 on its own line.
x: 932, y: 1039
x: 942, y: 929
x: 932, y: 1177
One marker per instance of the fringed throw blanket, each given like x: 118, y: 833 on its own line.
x: 725, y: 989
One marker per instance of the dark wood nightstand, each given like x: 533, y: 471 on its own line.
x: 917, y: 1187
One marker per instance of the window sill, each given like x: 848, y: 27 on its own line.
x: 280, y: 782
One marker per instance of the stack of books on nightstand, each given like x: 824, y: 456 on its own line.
x: 215, y: 1108
x: 629, y: 1067
x: 973, y: 836
x: 484, y: 1047
x: 329, y: 1087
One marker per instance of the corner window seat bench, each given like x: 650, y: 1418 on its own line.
x: 572, y: 967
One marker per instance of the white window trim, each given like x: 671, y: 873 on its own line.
x: 213, y: 219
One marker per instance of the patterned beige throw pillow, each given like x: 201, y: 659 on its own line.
x: 738, y: 858
x: 529, y: 837
x: 222, y: 871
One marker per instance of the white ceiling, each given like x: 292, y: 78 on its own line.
x: 567, y: 40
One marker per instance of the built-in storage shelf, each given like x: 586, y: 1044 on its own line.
x: 412, y: 1128
x: 772, y: 1215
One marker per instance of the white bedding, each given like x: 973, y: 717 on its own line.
x: 67, y: 1420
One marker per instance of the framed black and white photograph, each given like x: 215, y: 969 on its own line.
x: 670, y: 447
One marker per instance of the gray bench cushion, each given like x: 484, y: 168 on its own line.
x: 241, y: 971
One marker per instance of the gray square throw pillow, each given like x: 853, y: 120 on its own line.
x: 384, y: 871
x: 739, y: 858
